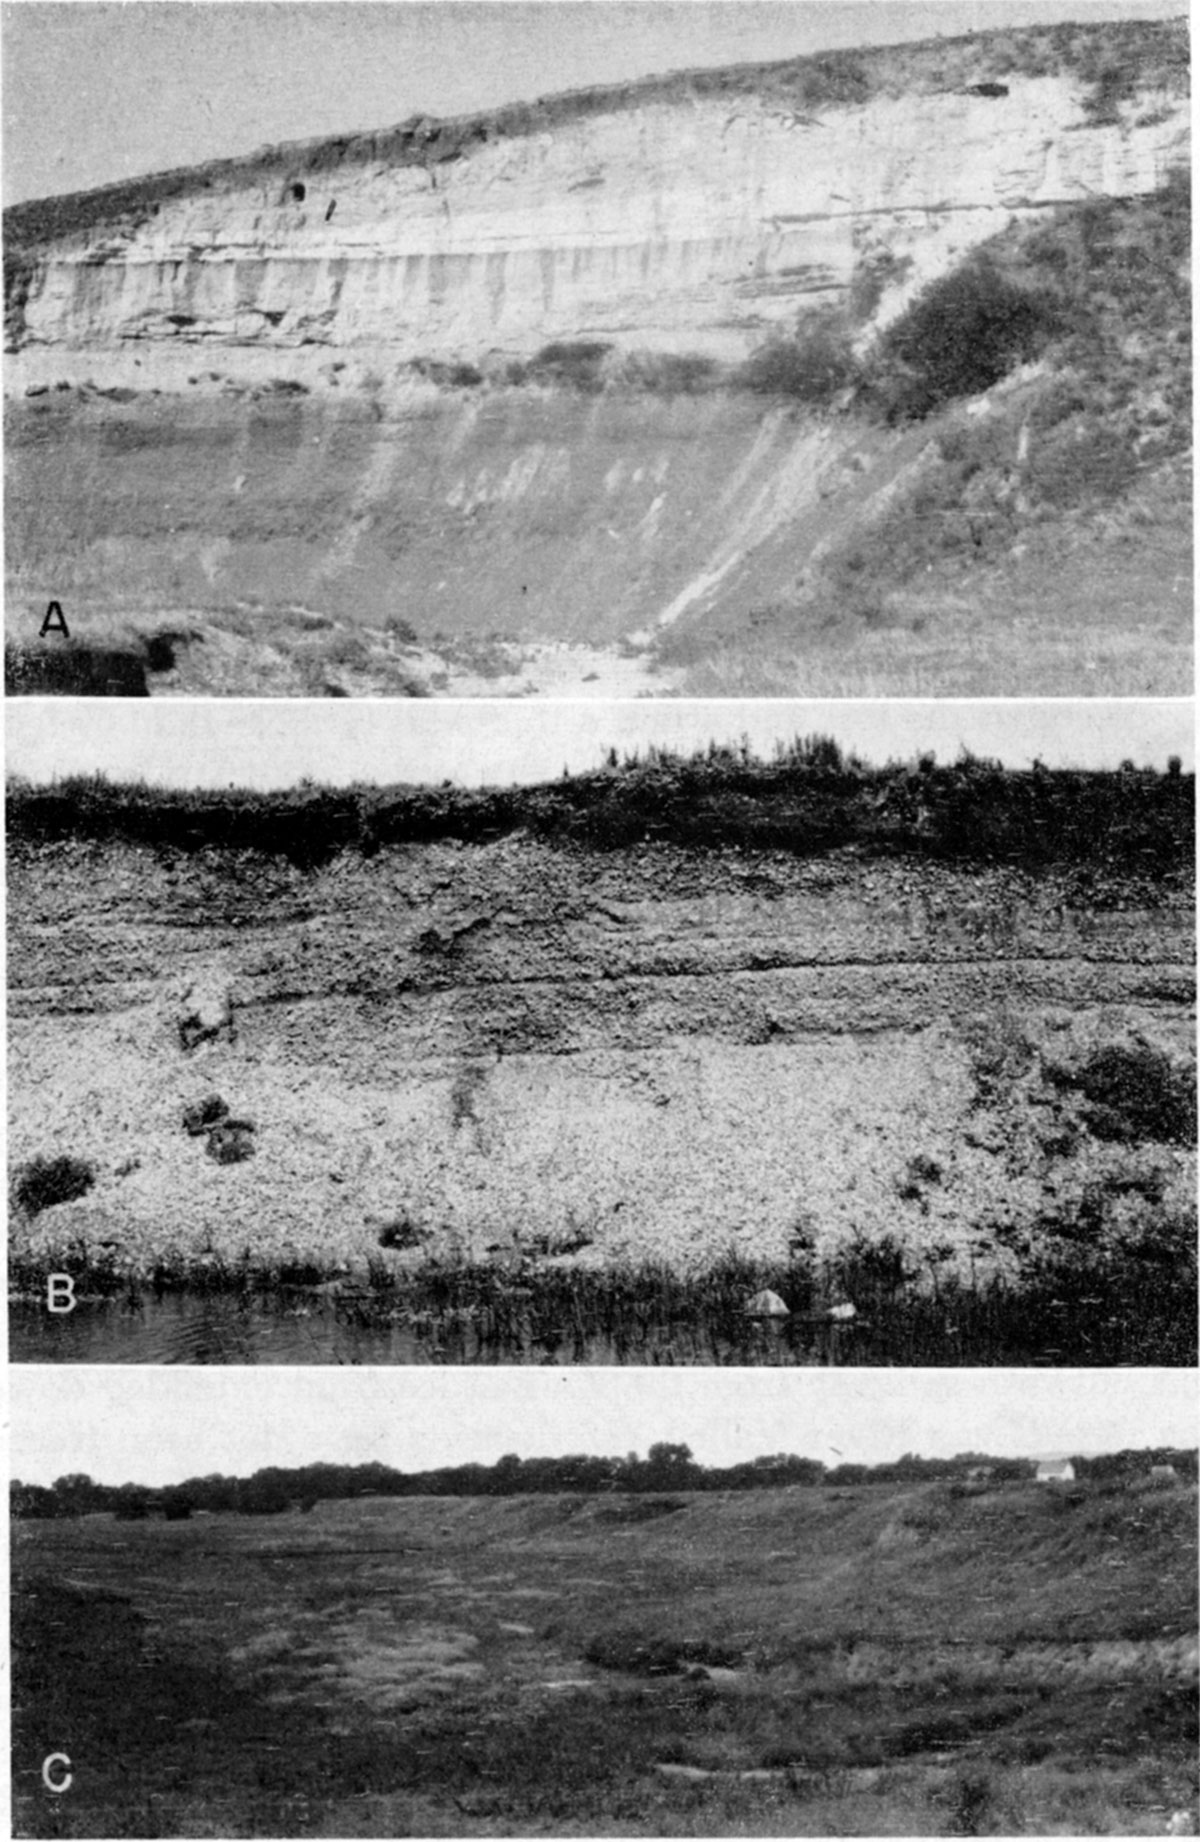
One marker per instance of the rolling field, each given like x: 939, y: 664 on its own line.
x: 867, y: 1661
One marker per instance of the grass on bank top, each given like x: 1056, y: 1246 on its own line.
x: 811, y: 798
x: 1111, y: 60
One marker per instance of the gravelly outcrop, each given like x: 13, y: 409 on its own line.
x: 660, y: 1051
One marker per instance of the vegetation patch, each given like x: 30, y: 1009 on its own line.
x: 636, y: 1655
x: 231, y: 1141
x: 200, y: 1117
x: 1135, y: 1095
x: 962, y: 334
x: 1087, y: 1283
x: 43, y: 1183
x: 809, y: 800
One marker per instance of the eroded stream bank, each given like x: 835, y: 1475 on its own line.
x: 866, y: 1066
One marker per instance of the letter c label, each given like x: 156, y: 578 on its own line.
x: 56, y: 1784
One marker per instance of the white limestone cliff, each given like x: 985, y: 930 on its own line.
x: 682, y: 221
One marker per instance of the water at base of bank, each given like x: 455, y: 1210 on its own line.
x: 470, y: 1318
x: 217, y: 1329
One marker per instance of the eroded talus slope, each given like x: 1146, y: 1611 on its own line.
x: 547, y: 516
x: 658, y: 1052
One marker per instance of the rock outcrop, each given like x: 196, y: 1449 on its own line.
x: 463, y: 407
x: 685, y: 214
x: 653, y: 1052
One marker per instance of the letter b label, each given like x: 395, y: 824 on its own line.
x: 60, y: 1292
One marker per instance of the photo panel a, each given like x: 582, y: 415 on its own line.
x: 609, y: 349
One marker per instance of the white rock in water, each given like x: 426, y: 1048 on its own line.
x: 842, y: 1313
x: 766, y: 1304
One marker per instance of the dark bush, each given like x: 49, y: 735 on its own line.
x: 132, y: 1509
x: 401, y: 1233
x: 637, y: 1655
x: 200, y: 1117
x: 960, y: 336
x: 811, y: 366
x: 44, y: 1182
x: 669, y: 373
x: 161, y: 648
x: 231, y: 1142
x: 641, y: 1509
x: 1136, y: 1095
x: 576, y: 362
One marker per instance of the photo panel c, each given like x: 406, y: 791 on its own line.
x: 436, y: 1603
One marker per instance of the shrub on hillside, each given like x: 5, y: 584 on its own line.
x: 231, y: 1141
x: 1136, y: 1095
x: 811, y: 366
x: 45, y: 1182
x: 576, y: 362
x: 669, y: 373
x: 960, y: 336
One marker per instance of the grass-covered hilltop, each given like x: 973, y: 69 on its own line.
x: 800, y: 1059
x: 637, y: 1647
x: 859, y: 374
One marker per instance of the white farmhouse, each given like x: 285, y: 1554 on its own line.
x: 1055, y: 1471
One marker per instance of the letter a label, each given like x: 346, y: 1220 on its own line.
x: 55, y: 622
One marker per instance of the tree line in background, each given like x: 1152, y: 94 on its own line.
x: 667, y: 1467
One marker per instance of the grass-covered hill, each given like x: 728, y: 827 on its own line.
x: 877, y: 1660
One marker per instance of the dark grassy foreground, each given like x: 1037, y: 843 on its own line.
x: 877, y: 1660
x: 809, y: 800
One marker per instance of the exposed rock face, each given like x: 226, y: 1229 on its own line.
x: 690, y: 214
x: 658, y: 1052
x: 311, y: 385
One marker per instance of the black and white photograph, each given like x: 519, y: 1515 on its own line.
x: 290, y: 1603
x: 775, y: 1033
x: 600, y: 349
x: 599, y: 921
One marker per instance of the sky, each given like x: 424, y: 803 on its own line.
x: 94, y: 92
x: 215, y: 743
x: 156, y: 1426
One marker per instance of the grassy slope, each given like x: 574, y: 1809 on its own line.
x: 904, y: 1657
x: 1056, y: 528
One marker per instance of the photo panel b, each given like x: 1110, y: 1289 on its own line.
x: 773, y: 1034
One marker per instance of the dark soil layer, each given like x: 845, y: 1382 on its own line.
x: 872, y: 1660
x: 807, y: 803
